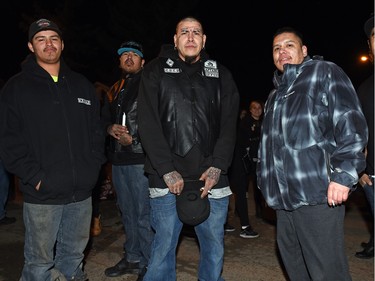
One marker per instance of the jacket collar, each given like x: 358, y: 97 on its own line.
x: 291, y: 72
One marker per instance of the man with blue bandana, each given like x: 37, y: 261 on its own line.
x: 126, y: 154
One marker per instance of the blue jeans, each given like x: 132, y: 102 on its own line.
x: 210, y: 233
x: 4, y: 189
x: 66, y: 227
x: 133, y: 200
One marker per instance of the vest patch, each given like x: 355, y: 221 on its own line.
x: 84, y: 101
x: 170, y: 62
x: 211, y: 72
x: 210, y: 69
x: 172, y: 70
x: 210, y: 64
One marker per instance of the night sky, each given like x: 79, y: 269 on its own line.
x: 238, y: 37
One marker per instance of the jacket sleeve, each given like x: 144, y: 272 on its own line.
x: 14, y: 147
x: 224, y: 147
x: 349, y: 129
x: 149, y: 124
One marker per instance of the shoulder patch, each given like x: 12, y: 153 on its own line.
x: 210, y: 69
x: 210, y: 64
x: 170, y: 62
x: 169, y: 69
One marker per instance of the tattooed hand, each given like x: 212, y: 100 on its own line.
x: 174, y: 182
x: 210, y: 177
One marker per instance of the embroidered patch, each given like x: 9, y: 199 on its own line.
x: 209, y: 72
x: 210, y: 64
x: 172, y: 70
x: 169, y: 62
x: 81, y: 100
x: 210, y: 69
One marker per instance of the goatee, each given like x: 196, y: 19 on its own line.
x: 190, y: 59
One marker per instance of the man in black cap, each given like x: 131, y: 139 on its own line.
x: 127, y: 157
x: 53, y: 141
x: 40, y: 25
x: 366, y: 96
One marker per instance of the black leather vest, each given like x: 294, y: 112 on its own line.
x: 190, y: 106
x: 125, y: 100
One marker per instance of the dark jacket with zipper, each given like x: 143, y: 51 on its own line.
x: 313, y: 132
x: 187, y: 117
x: 51, y: 132
x: 123, y: 99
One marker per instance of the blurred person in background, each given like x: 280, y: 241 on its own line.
x: 244, y: 167
x: 366, y: 181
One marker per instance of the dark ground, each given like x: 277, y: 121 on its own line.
x: 245, y: 259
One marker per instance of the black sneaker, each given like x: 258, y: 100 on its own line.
x: 7, y: 220
x: 121, y: 268
x: 248, y: 232
x: 366, y: 253
x: 228, y: 228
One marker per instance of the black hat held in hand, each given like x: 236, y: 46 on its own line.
x: 191, y: 208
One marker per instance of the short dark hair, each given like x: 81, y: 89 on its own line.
x: 190, y: 18
x: 288, y: 29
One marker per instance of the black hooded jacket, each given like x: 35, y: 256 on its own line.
x: 51, y: 132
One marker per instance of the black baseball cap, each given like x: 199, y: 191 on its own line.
x: 40, y: 25
x: 369, y: 25
x: 131, y: 46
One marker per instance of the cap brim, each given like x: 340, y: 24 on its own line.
x: 122, y: 50
x: 369, y: 25
x: 44, y: 29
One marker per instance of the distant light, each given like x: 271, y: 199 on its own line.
x: 364, y: 58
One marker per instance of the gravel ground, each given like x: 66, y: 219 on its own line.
x: 245, y: 259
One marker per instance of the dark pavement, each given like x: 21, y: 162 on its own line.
x: 245, y: 259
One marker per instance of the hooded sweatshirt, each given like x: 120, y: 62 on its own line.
x: 51, y: 133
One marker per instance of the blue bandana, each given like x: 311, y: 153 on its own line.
x: 131, y: 46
